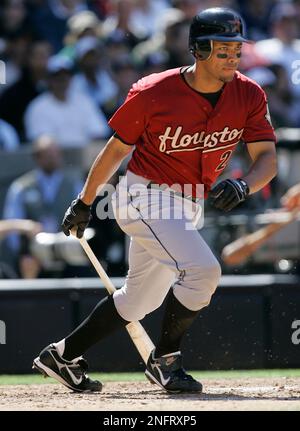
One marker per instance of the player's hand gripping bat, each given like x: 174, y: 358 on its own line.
x: 239, y: 250
x: 136, y: 331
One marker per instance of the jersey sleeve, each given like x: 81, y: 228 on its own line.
x: 258, y: 125
x: 129, y: 120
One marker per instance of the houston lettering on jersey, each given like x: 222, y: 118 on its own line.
x: 174, y: 140
x: 179, y: 137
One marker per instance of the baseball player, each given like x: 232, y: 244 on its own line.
x: 181, y: 126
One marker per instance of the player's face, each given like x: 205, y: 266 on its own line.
x: 224, y: 60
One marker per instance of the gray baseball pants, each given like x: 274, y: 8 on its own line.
x: 166, y: 250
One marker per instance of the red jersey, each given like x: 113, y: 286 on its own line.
x: 179, y: 137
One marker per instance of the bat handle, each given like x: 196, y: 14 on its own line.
x: 97, y: 265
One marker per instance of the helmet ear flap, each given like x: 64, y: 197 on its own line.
x: 202, y: 50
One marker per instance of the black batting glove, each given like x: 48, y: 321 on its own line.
x: 77, y: 216
x: 228, y: 194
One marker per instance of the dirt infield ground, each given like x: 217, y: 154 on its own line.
x: 280, y: 393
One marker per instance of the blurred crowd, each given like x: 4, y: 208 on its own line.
x: 67, y: 65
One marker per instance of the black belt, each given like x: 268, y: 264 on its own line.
x: 153, y: 185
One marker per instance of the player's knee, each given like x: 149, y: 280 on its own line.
x: 212, y: 276
x: 124, y: 306
x: 215, y: 273
x: 132, y: 309
x: 126, y: 310
x: 131, y: 314
x: 135, y: 313
x: 198, y: 286
x: 208, y: 273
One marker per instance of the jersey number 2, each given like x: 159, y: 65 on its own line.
x: 224, y: 159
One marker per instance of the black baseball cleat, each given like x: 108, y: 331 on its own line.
x: 70, y: 373
x: 167, y: 372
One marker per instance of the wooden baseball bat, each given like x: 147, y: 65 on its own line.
x: 136, y: 331
x: 239, y: 250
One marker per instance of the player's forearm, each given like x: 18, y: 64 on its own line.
x: 103, y: 168
x: 263, y: 169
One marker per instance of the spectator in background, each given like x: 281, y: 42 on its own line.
x: 190, y: 8
x: 93, y: 79
x: 70, y: 117
x: 15, y: 99
x: 145, y: 17
x: 284, y: 47
x: 50, y: 19
x: 9, y: 140
x: 15, y: 34
x: 281, y: 102
x: 256, y: 14
x: 251, y: 58
x: 176, y: 35
x: 40, y: 195
x: 80, y: 25
x: 116, y: 45
x: 15, y: 37
x: 100, y: 7
x: 13, y: 18
x: 15, y: 51
x: 126, y: 73
x: 169, y: 42
x: 296, y: 4
x: 154, y: 62
x: 119, y: 23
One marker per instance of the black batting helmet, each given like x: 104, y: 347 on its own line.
x: 217, y: 23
